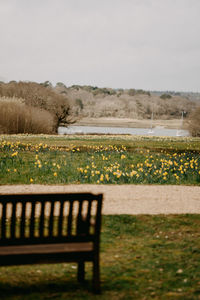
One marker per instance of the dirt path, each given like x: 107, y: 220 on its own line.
x: 128, y: 199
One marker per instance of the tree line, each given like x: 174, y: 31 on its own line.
x: 30, y: 107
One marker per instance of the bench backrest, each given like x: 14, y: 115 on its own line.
x: 49, y: 218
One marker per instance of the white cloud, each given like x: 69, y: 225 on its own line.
x: 150, y: 44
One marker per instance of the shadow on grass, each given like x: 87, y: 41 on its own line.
x: 45, y: 290
x: 141, y: 257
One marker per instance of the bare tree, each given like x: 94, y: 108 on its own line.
x: 41, y: 96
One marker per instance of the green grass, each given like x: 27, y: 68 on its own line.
x: 142, y: 257
x: 102, y: 160
x: 131, y: 142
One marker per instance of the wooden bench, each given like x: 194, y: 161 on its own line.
x: 51, y: 228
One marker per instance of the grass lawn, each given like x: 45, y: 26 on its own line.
x: 142, y: 257
x: 87, y: 159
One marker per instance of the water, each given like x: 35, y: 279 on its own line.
x: 157, y: 131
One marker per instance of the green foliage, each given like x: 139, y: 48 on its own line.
x: 60, y: 84
x: 46, y: 84
x: 165, y: 96
x: 104, y: 91
x: 79, y: 102
x: 132, y: 92
x: 76, y: 87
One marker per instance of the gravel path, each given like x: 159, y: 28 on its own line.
x: 128, y: 199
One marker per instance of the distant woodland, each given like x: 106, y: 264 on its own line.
x: 30, y: 107
x: 88, y: 101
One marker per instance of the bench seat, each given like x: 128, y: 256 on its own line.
x: 45, y: 248
x: 51, y: 228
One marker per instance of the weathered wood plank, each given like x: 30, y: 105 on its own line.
x: 69, y: 219
x: 60, y: 219
x: 3, y: 222
x: 13, y: 221
x: 41, y: 220
x: 51, y: 219
x: 46, y: 248
x: 23, y: 220
x: 32, y: 223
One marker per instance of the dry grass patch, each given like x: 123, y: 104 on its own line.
x: 16, y: 117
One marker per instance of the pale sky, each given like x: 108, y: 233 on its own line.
x: 147, y: 44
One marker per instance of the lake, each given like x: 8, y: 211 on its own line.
x: 157, y: 131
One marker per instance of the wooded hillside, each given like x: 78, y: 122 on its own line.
x: 89, y: 101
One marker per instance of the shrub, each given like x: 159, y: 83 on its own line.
x: 194, y: 123
x: 17, y: 117
x: 79, y: 102
x: 131, y: 92
x: 165, y: 96
x: 41, y: 96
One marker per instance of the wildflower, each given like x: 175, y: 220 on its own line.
x: 123, y: 156
x: 14, y: 154
x: 55, y: 174
x: 31, y: 180
x: 107, y: 177
x: 101, y: 177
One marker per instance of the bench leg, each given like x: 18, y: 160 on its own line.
x: 81, y: 271
x: 96, y: 277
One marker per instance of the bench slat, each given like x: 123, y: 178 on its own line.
x: 51, y: 219
x: 13, y: 221
x: 32, y: 224
x: 60, y: 220
x: 69, y: 219
x: 41, y: 221
x: 46, y: 248
x: 23, y: 218
x: 88, y: 217
x: 79, y: 219
x: 3, y: 221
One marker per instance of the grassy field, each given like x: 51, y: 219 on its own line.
x: 142, y: 257
x: 43, y: 159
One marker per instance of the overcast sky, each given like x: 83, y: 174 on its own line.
x: 148, y: 44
